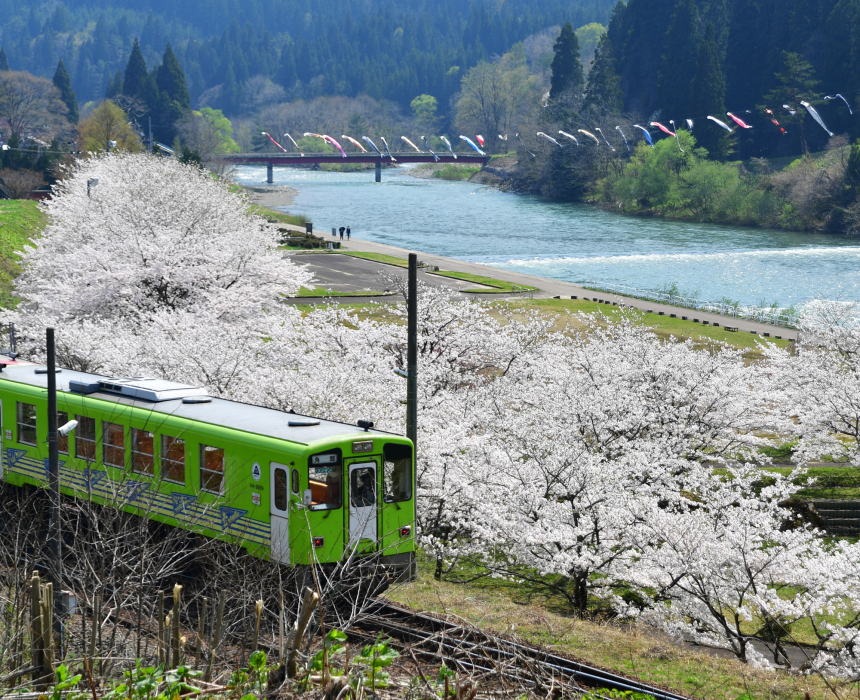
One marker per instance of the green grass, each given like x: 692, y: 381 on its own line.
x: 498, y: 285
x: 378, y: 257
x: 455, y: 172
x: 279, y: 216
x: 20, y: 221
x: 663, y: 326
x: 323, y: 292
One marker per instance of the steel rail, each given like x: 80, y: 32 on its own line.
x: 474, y: 648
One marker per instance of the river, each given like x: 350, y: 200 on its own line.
x: 575, y: 242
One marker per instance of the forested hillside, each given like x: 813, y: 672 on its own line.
x: 657, y: 46
x: 391, y: 51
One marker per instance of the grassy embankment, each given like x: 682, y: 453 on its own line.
x: 535, y: 615
x: 20, y: 220
x: 450, y: 171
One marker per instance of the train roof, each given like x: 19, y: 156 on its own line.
x: 184, y: 401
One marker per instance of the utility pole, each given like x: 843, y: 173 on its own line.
x: 412, y: 352
x: 151, y: 144
x: 55, y: 543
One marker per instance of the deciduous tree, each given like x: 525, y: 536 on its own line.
x: 108, y: 123
x: 31, y: 106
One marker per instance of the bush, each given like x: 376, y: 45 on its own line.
x: 687, y: 185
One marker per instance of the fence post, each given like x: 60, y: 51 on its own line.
x: 177, y: 636
x: 201, y: 631
x: 36, y: 642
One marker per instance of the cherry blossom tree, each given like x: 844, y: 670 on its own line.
x: 152, y: 236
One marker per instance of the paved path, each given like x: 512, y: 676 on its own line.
x: 549, y: 288
x: 345, y: 274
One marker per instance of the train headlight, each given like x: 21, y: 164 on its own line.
x: 363, y: 446
x: 405, y: 531
x: 319, y: 542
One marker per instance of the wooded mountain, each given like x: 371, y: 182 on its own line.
x: 388, y: 50
x: 658, y: 47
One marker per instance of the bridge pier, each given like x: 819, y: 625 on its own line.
x: 379, y: 171
x: 269, y: 175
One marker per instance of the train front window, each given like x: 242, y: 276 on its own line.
x: 26, y: 423
x: 325, y: 480
x: 85, y: 439
x: 280, y: 489
x: 397, y: 473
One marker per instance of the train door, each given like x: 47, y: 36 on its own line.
x: 362, y: 501
x: 280, y: 512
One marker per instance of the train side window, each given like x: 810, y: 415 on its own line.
x: 113, y: 444
x: 62, y: 440
x: 212, y: 469
x: 26, y: 424
x: 280, y: 489
x: 142, y: 452
x: 85, y: 438
x: 173, y: 459
x: 325, y: 480
x: 397, y: 473
x: 295, y: 478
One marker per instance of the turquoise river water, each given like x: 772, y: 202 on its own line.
x: 574, y: 242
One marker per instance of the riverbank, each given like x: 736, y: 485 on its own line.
x: 271, y: 197
x: 712, y: 325
x: 676, y: 180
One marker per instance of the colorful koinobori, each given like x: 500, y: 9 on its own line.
x: 673, y: 132
x: 741, y: 123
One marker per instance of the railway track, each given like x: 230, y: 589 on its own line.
x: 475, y: 651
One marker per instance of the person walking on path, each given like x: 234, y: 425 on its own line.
x: 341, y: 232
x: 347, y: 233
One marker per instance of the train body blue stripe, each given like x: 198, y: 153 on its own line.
x: 188, y: 512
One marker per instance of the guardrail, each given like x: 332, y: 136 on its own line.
x: 787, y: 317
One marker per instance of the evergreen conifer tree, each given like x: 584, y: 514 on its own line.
x: 678, y: 66
x: 135, y: 79
x: 287, y: 75
x: 566, y: 67
x: 604, y: 86
x: 707, y: 93
x: 171, y: 80
x: 796, y: 83
x: 231, y: 96
x: 114, y: 87
x: 67, y: 95
x: 4, y: 62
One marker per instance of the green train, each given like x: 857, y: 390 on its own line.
x: 285, y: 487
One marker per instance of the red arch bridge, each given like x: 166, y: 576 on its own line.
x: 282, y: 160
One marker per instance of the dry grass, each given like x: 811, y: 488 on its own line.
x: 633, y: 650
